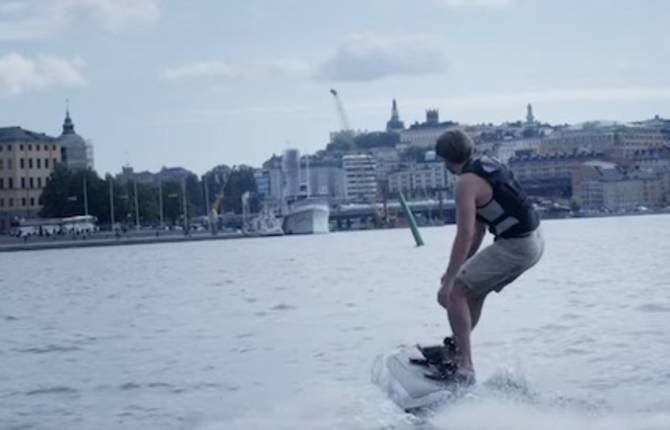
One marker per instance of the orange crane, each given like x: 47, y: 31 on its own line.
x: 218, y: 198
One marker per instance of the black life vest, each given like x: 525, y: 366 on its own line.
x: 509, y: 213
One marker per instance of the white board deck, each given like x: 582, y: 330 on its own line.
x: 405, y: 383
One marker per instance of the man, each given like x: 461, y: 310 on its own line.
x: 487, y: 195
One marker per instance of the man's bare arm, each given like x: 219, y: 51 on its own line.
x: 480, y: 232
x: 466, y: 209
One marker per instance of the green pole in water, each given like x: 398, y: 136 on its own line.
x: 412, y: 222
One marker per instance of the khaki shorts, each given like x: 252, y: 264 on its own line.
x: 501, y: 263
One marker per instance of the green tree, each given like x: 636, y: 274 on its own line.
x: 172, y: 202
x: 241, y: 180
x: 63, y: 195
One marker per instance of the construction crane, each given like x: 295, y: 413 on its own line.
x: 218, y: 198
x: 348, y: 135
x: 346, y: 132
x: 340, y: 110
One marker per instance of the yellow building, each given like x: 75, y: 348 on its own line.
x: 26, y: 162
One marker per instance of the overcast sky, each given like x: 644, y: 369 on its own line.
x: 204, y: 82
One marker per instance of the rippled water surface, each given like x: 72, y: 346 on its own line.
x: 281, y: 333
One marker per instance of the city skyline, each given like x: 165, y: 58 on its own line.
x: 153, y: 84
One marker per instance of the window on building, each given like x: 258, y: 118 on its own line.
x: 39, y: 182
x: 2, y: 183
x: 21, y: 147
x: 23, y: 183
x: 2, y: 202
x: 54, y: 147
x: 32, y: 201
x: 32, y: 182
x: 2, y: 164
x: 23, y: 202
x: 10, y: 183
x: 37, y: 147
x: 22, y: 163
x: 30, y: 147
x: 0, y: 148
x: 9, y: 147
x: 54, y: 162
x: 11, y: 202
x: 30, y: 163
x: 46, y: 163
x: 39, y: 163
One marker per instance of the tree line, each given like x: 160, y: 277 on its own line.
x: 63, y: 195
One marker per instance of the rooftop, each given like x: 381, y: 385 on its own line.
x: 18, y: 134
x: 555, y: 156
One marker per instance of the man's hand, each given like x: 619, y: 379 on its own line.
x: 446, y: 285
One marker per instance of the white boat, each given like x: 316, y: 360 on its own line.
x: 307, y: 216
x: 265, y: 224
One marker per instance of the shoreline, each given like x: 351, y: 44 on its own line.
x: 45, y: 244
x: 148, y: 238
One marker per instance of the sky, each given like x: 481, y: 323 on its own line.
x: 199, y: 83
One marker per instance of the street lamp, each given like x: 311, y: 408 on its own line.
x: 173, y: 195
x: 125, y: 197
x: 111, y: 203
x: 85, y: 197
x: 183, y: 199
x: 160, y: 202
x: 137, y: 207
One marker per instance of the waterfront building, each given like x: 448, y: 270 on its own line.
x: 601, y: 185
x: 262, y: 178
x: 273, y: 169
x: 360, y: 180
x: 422, y: 179
x: 548, y: 175
x: 425, y: 134
x: 618, y: 142
x: 27, y: 159
x: 507, y: 149
x: 657, y: 159
x: 290, y: 165
x: 323, y: 177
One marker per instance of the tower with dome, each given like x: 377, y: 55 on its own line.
x: 76, y: 153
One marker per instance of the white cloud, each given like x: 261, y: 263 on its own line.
x: 225, y: 71
x: 199, y: 69
x: 39, y: 19
x: 477, y: 3
x: 20, y: 74
x: 366, y: 57
x: 11, y: 7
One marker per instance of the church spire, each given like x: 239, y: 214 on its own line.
x: 394, y: 124
x: 530, y: 118
x: 68, y: 125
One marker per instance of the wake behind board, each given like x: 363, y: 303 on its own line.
x: 406, y: 383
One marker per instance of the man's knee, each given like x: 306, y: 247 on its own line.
x: 457, y: 292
